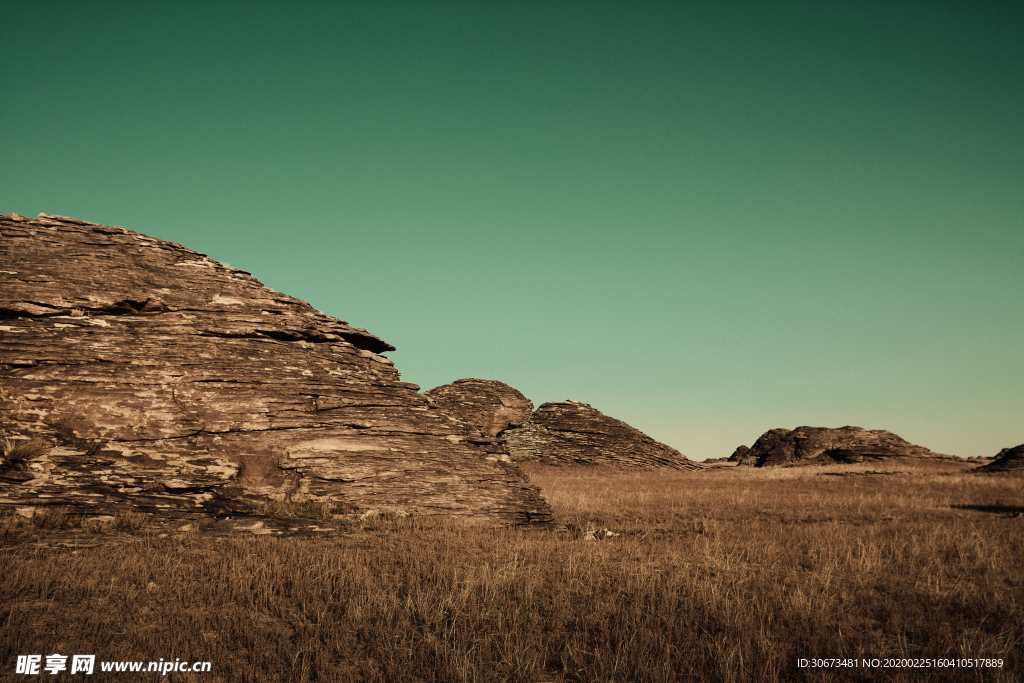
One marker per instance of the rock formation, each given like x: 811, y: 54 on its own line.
x: 490, y: 406
x: 574, y: 432
x: 566, y: 432
x: 739, y: 453
x: 1008, y: 460
x: 179, y: 386
x: 821, y: 445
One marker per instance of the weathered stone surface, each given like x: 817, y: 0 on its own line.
x: 181, y: 386
x: 489, y: 405
x: 574, y: 432
x: 739, y: 453
x: 1008, y: 460
x: 821, y: 445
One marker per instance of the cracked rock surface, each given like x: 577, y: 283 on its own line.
x: 822, y: 445
x: 180, y: 386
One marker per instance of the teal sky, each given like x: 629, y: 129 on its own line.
x: 705, y: 219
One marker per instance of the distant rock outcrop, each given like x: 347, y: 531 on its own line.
x: 573, y: 432
x: 1008, y: 460
x: 179, y: 386
x: 739, y: 454
x: 489, y: 405
x: 821, y: 445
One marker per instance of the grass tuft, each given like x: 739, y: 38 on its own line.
x: 23, y: 449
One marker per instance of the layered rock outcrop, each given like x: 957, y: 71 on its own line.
x: 1008, y: 460
x: 489, y: 405
x: 564, y: 432
x: 573, y: 432
x: 821, y: 445
x: 176, y: 385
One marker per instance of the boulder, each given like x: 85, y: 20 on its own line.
x: 1008, y: 460
x: 489, y: 405
x: 159, y: 379
x: 574, y: 432
x: 822, y: 445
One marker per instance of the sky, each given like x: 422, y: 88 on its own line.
x: 705, y: 219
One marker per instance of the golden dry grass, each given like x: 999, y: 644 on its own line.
x: 720, y: 575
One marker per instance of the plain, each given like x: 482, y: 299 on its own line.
x: 726, y: 574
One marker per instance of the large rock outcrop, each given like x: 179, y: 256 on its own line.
x: 821, y: 445
x: 1008, y: 460
x: 489, y: 405
x: 574, y: 432
x: 179, y: 386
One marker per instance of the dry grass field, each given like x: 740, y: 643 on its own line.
x: 720, y: 575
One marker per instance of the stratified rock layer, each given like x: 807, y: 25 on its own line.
x: 1008, y: 460
x: 178, y: 385
x: 489, y: 405
x: 821, y: 445
x: 574, y: 432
